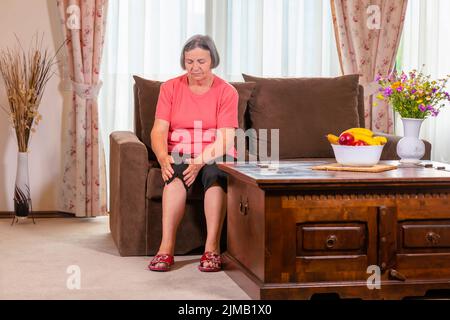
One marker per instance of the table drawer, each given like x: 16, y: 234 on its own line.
x: 425, y: 234
x: 328, y: 238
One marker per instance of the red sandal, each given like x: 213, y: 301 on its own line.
x: 166, y: 259
x: 213, y: 258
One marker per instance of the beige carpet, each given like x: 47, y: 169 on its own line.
x: 34, y: 260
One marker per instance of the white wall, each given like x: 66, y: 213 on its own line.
x: 25, y: 18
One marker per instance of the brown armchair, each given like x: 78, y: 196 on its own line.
x: 136, y: 184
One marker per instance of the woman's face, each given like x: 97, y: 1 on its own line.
x: 198, y: 63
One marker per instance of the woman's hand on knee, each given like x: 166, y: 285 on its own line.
x: 191, y: 172
x: 166, y: 167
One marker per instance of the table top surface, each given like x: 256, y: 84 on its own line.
x: 300, y: 172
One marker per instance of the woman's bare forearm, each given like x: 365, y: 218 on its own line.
x: 159, y: 144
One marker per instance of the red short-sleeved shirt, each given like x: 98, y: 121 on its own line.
x: 194, y: 118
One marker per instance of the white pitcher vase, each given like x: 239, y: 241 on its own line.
x: 410, y: 148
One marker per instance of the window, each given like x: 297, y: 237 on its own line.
x: 424, y: 42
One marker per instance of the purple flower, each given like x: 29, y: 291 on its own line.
x: 422, y: 107
x: 413, y: 91
x: 434, y: 112
x: 434, y: 90
x: 403, y: 77
x: 378, y: 78
x: 388, y: 91
x: 399, y: 89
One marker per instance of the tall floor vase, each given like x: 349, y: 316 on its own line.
x: 22, y: 199
x: 410, y: 148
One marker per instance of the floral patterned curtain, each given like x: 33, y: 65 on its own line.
x: 83, y: 190
x: 367, y: 35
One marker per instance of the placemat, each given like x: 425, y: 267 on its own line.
x: 340, y: 167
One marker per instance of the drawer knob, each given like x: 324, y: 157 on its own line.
x: 246, y: 208
x: 243, y: 208
x: 432, y: 237
x: 331, y: 241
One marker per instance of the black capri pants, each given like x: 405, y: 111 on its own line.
x: 208, y: 175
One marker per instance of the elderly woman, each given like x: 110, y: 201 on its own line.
x: 195, y: 118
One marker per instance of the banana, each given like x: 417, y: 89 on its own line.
x: 363, y: 131
x: 369, y: 140
x: 332, y: 138
x: 382, y: 140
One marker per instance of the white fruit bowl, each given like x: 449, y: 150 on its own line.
x: 357, y: 156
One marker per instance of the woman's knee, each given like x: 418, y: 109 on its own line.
x: 177, y: 175
x: 175, y: 183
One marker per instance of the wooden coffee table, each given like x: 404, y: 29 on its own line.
x: 294, y: 232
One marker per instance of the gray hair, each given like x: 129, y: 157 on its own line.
x: 203, y: 42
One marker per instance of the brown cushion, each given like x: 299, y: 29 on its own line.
x: 244, y: 90
x: 304, y: 110
x: 148, y: 93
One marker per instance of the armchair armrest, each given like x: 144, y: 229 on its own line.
x: 390, y: 149
x: 129, y: 167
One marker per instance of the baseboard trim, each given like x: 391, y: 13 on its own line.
x: 39, y: 214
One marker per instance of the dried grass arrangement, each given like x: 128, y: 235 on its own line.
x: 25, y: 76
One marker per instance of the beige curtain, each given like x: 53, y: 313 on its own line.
x: 83, y: 190
x: 367, y: 36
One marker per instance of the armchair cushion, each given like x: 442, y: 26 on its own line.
x: 304, y: 110
x: 244, y: 90
x: 148, y: 93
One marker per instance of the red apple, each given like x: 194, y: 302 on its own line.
x: 346, y: 139
x: 359, y: 143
